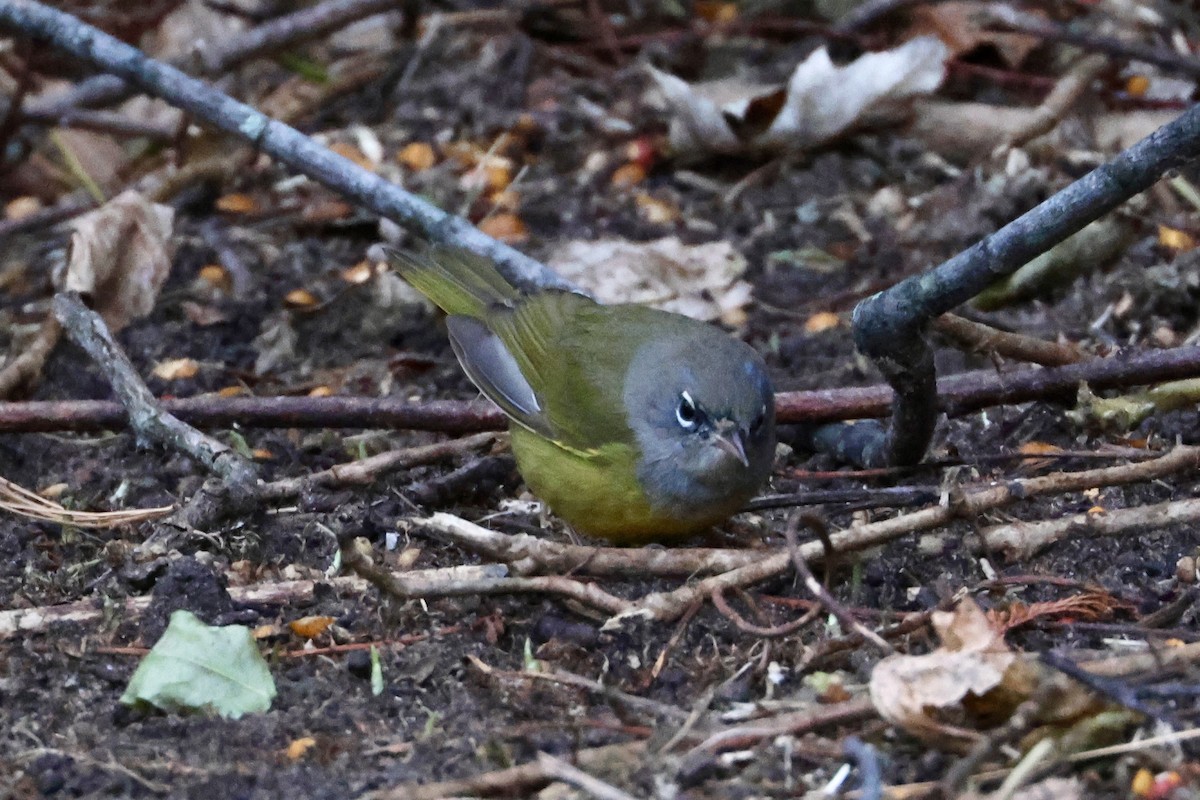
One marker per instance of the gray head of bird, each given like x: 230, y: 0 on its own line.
x: 702, y: 411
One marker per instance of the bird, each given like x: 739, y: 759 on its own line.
x: 632, y: 424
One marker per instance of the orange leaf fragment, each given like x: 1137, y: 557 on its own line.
x: 417, y: 156
x: 233, y: 391
x: 53, y: 491
x: 1175, y: 239
x: 347, y: 150
x: 216, y: 276
x: 821, y: 321
x: 1142, y: 783
x: 237, y: 203
x: 174, y: 369
x: 1038, y: 449
x: 22, y: 207
x: 627, y: 175
x: 262, y: 454
x: 654, y: 210
x: 506, y: 227
x: 359, y: 274
x: 321, y: 391
x: 300, y: 298
x: 508, y: 200
x: 298, y: 747
x: 1137, y: 85
x: 329, y: 210
x: 497, y: 174
x: 710, y: 11
x: 310, y: 627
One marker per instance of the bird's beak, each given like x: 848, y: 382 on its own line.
x: 731, y: 441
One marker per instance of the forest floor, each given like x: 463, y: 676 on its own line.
x: 544, y: 128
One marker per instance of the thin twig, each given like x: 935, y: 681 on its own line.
x: 560, y: 770
x: 282, y: 142
x: 1007, y: 17
x: 148, y: 420
x: 666, y: 606
x: 814, y: 586
x: 519, y: 781
x: 23, y: 371
x: 957, y: 395
x: 495, y: 581
x: 986, y: 339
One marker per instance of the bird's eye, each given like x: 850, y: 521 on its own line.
x: 686, y: 412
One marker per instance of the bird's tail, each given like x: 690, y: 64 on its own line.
x: 456, y: 280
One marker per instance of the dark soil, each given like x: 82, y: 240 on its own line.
x: 63, y: 731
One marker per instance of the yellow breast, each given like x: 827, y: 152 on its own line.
x: 597, y: 491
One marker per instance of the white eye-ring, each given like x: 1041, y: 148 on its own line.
x: 686, y: 411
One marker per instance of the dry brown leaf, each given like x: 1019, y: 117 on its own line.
x: 627, y: 175
x: 22, y: 207
x: 176, y: 369
x: 120, y: 257
x: 652, y: 209
x: 963, y: 27
x: 349, y: 151
x: 971, y: 683
x: 202, y: 315
x: 237, y: 203
x: 310, y: 627
x: 360, y: 273
x: 300, y: 298
x: 506, y: 227
x: 1175, y: 239
x: 701, y: 281
x: 820, y: 102
x: 297, y: 748
x: 822, y: 321
x: 217, y: 277
x: 417, y: 156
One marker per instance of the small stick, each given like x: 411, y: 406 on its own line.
x: 368, y: 469
x: 1010, y: 18
x: 148, y: 420
x: 957, y: 395
x: 986, y: 339
x: 1019, y: 540
x: 562, y: 771
x: 529, y: 555
x: 665, y: 606
x: 520, y: 781
x: 814, y: 586
x: 23, y: 371
x: 493, y: 581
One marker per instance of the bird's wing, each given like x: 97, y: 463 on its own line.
x: 555, y: 362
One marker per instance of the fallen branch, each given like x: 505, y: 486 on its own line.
x: 957, y: 395
x: 30, y: 19
x: 494, y: 580
x: 207, y: 508
x: 521, y: 781
x: 149, y: 421
x: 1018, y: 540
x: 666, y: 606
x: 282, y: 593
x: 366, y: 470
x: 986, y: 339
x: 530, y: 555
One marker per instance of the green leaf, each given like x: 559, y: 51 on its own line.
x: 197, y: 666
